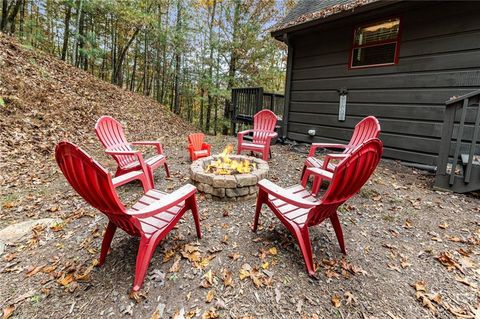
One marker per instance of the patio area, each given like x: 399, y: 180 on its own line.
x: 413, y: 252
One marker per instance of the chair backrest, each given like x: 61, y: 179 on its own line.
x: 94, y: 184
x: 366, y: 129
x: 348, y: 178
x: 263, y: 124
x: 196, y: 140
x: 110, y: 133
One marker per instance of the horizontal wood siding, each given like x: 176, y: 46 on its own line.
x: 439, y: 58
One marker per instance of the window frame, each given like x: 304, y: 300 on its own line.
x: 378, y: 43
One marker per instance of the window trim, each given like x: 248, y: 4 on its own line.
x: 396, y: 41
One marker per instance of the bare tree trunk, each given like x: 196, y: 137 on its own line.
x: 3, y: 22
x: 132, y: 80
x: 66, y: 34
x: 210, y: 69
x: 178, y: 59
x: 232, y: 66
x: 117, y: 76
x: 77, y: 28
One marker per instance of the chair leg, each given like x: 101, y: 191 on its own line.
x: 265, y: 155
x: 303, y: 238
x: 317, y: 182
x: 305, y: 177
x: 338, y: 231
x: 303, y: 173
x: 192, y: 201
x: 260, y: 200
x: 167, y: 171
x: 107, y: 240
x: 145, y: 252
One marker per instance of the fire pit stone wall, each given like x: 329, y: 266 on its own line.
x: 228, y: 187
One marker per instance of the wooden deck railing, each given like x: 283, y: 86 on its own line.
x: 460, y: 145
x: 248, y: 101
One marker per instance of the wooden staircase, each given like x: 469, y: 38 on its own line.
x: 458, y: 165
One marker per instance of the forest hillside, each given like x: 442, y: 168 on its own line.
x: 44, y: 100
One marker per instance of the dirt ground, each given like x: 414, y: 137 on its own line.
x: 412, y: 253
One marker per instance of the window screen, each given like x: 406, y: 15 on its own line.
x: 376, y: 44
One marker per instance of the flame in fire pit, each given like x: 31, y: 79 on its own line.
x: 224, y: 165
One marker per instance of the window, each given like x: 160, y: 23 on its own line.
x: 376, y: 44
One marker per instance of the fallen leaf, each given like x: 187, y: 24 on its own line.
x: 7, y: 312
x: 245, y: 271
x: 234, y: 256
x: 176, y: 264
x: 65, y: 280
x: 168, y: 255
x: 137, y: 296
x: 446, y: 259
x: 350, y: 298
x: 209, y: 277
x: 408, y: 224
x: 443, y: 226
x: 210, y: 314
x: 426, y: 302
x: 420, y: 286
x: 273, y: 251
x: 227, y: 278
x: 336, y: 301
x: 210, y: 296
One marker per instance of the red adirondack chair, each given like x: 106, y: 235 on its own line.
x: 110, y: 133
x: 197, y: 147
x: 263, y: 131
x: 151, y: 218
x: 366, y: 129
x: 298, y: 210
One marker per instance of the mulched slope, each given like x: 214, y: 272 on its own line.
x: 412, y: 252
x: 47, y: 100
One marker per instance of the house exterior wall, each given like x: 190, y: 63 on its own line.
x: 439, y: 58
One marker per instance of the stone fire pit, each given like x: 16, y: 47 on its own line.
x: 228, y: 187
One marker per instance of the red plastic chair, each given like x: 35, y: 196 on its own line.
x: 366, y: 129
x: 197, y: 147
x: 298, y: 210
x: 110, y: 133
x: 151, y: 218
x: 263, y: 131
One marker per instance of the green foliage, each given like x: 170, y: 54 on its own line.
x: 136, y: 44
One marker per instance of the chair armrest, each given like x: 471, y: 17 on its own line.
x: 285, y: 195
x: 320, y: 172
x: 126, y: 178
x: 158, y: 145
x: 138, y: 154
x: 330, y: 157
x: 206, y: 146
x: 242, y: 133
x: 314, y: 147
x: 273, y: 134
x: 166, y: 202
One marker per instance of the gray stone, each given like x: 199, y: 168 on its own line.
x: 15, y: 232
x: 253, y: 189
x: 219, y: 181
x: 205, y: 188
x: 205, y: 178
x: 246, y: 179
x: 230, y: 181
x: 236, y: 192
x: 219, y: 192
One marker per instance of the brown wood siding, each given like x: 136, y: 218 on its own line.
x: 439, y: 58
